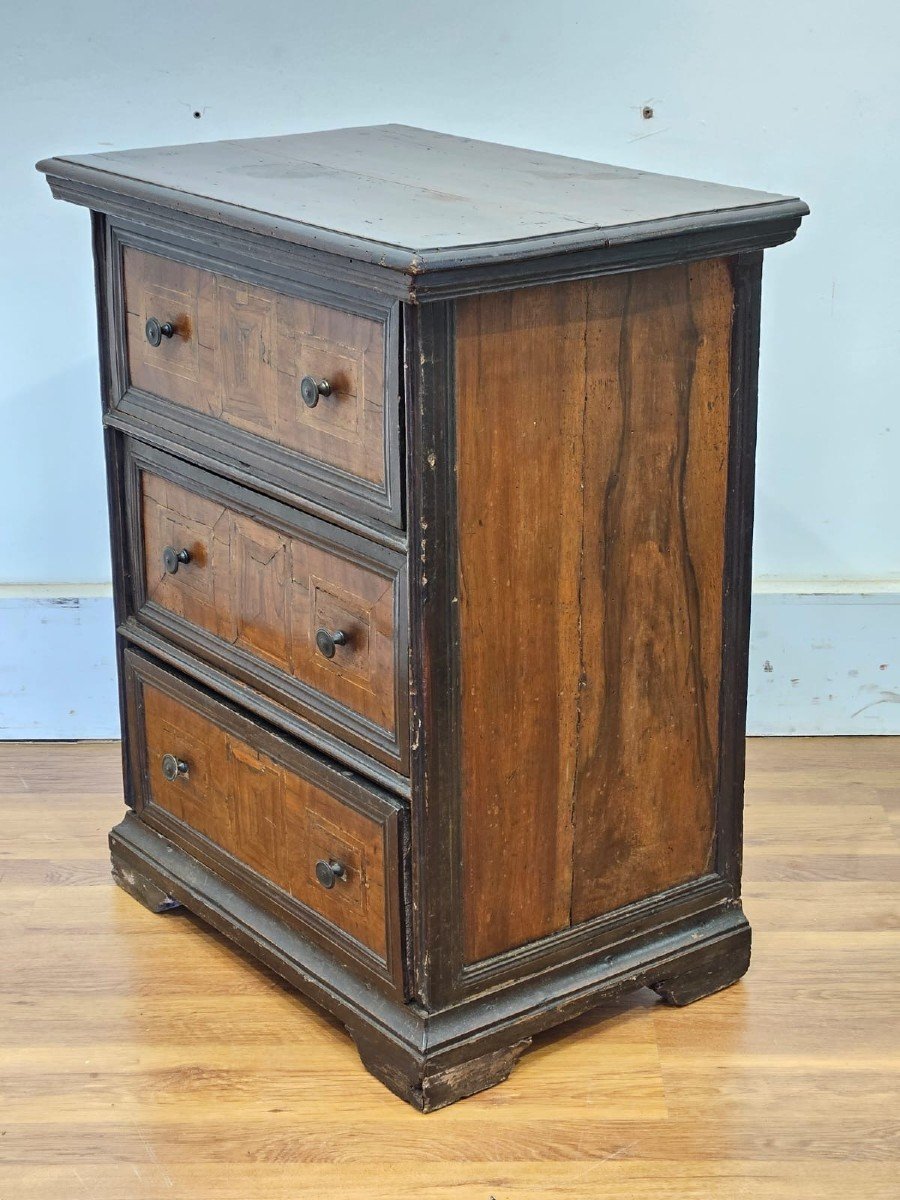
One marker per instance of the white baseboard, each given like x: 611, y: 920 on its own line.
x: 824, y: 659
x: 57, y: 663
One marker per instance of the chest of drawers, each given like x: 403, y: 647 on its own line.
x: 431, y: 481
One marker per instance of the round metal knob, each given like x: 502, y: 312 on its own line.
x: 173, y: 558
x: 328, y: 873
x: 173, y: 767
x: 311, y: 389
x: 155, y: 332
x: 326, y: 642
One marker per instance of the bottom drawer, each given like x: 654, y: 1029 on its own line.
x: 307, y: 839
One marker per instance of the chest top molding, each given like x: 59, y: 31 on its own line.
x: 425, y: 215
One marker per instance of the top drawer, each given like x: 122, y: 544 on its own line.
x: 291, y: 392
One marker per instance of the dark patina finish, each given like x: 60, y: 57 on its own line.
x: 424, y: 388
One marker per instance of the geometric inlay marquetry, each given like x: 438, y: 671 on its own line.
x: 267, y: 817
x: 267, y: 593
x: 238, y: 355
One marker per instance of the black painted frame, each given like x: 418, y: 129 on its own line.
x: 429, y: 336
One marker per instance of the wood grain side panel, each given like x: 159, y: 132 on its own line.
x: 240, y: 350
x: 267, y: 593
x: 592, y: 452
x: 654, y: 504
x: 268, y: 818
x: 521, y: 393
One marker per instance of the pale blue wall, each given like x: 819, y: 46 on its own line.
x: 800, y: 97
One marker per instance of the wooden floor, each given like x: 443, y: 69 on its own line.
x: 142, y: 1057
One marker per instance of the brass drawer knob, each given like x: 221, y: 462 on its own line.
x: 311, y: 389
x: 173, y: 767
x: 327, y: 642
x: 328, y: 873
x: 173, y: 558
x: 155, y: 331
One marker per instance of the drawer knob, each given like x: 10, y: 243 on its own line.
x: 311, y: 389
x: 173, y: 767
x: 173, y: 558
x: 328, y: 873
x: 155, y: 332
x: 327, y: 642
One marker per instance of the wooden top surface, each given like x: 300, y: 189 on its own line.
x: 406, y: 196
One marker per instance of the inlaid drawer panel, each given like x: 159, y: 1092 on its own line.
x: 311, y: 615
x: 303, y: 382
x: 318, y: 839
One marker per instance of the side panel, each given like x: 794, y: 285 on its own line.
x: 592, y: 456
x: 521, y: 383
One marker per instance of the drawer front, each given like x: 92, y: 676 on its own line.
x: 316, y: 624
x: 232, y: 358
x: 320, y: 845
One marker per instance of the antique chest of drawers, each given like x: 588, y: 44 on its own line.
x: 431, y: 483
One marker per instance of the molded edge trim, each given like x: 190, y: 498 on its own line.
x: 428, y: 273
x: 465, y: 1031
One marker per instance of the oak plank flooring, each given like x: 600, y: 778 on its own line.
x: 141, y: 1057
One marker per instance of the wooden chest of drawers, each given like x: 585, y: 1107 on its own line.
x: 431, y: 480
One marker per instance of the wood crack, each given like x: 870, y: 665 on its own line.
x: 581, y: 679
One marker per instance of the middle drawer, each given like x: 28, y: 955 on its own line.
x: 311, y: 616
